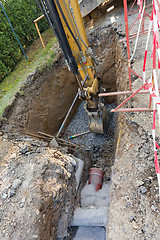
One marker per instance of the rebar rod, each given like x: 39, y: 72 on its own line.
x: 67, y: 115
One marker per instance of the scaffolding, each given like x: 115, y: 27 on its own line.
x: 150, y: 84
x: 141, y: 14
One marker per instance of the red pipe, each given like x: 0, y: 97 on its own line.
x: 113, y: 93
x: 131, y: 7
x: 133, y: 35
x: 132, y: 110
x: 136, y: 74
x: 142, y: 22
x: 147, y: 15
x: 139, y: 35
x: 120, y: 93
x: 132, y: 95
x: 134, y: 23
x: 138, y: 10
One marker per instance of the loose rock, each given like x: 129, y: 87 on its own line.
x: 11, y: 193
x: 16, y: 183
x: 53, y: 143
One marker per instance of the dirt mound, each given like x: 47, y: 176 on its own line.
x: 38, y: 192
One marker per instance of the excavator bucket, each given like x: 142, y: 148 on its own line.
x: 99, y: 122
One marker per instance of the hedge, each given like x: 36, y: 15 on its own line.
x: 21, y: 13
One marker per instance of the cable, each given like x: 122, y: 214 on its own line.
x: 45, y: 13
x: 64, y: 18
x: 74, y: 30
x: 55, y: 22
x: 70, y: 8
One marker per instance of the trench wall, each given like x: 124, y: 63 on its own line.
x: 134, y: 206
x: 42, y: 102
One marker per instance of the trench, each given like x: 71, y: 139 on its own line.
x: 46, y: 100
x: 102, y: 151
x: 90, y: 216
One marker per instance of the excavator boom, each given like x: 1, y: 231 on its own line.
x: 66, y: 20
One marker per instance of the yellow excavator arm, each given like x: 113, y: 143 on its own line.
x: 73, y: 25
x: 65, y: 18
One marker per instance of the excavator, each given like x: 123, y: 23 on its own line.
x: 64, y: 16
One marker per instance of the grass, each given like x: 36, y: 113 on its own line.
x: 37, y: 57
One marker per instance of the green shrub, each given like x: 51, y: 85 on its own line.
x: 21, y: 13
x: 3, y: 70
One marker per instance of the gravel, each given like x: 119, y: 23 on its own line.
x: 80, y: 124
x: 101, y: 147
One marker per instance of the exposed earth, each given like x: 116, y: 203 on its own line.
x: 40, y: 183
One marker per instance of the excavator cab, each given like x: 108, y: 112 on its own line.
x: 65, y: 18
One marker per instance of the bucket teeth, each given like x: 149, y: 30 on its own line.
x: 99, y: 121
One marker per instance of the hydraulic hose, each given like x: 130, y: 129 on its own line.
x: 60, y: 33
x: 64, y: 18
x: 45, y: 13
x: 72, y: 14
